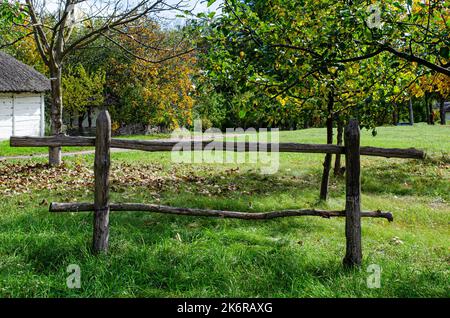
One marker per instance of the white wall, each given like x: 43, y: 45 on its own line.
x: 21, y: 115
x: 6, y: 112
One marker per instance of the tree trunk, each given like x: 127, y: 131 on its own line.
x: 430, y: 105
x: 338, y: 170
x: 56, y: 112
x: 80, y: 122
x: 442, y: 111
x: 395, y: 117
x: 306, y: 122
x: 89, y: 116
x: 328, y: 157
x: 411, y: 113
x: 71, y: 120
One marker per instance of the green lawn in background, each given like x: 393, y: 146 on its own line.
x: 7, y: 151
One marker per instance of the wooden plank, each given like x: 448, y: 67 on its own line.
x: 13, y: 116
x: 55, y: 141
x: 101, y: 171
x: 42, y: 117
x: 28, y: 111
x: 6, y: 106
x: 353, y: 255
x: 410, y: 153
x: 6, y: 121
x: 5, y: 132
x: 28, y: 119
x: 33, y: 99
x: 161, y: 146
x: 31, y: 129
x: 155, y: 146
x: 137, y: 207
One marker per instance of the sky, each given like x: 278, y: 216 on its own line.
x: 202, y: 5
x: 168, y: 17
x: 197, y: 5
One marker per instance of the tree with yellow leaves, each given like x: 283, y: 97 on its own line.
x: 153, y: 94
x: 431, y: 86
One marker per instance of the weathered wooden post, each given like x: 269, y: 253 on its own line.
x: 101, y: 171
x: 353, y: 195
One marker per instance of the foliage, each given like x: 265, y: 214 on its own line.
x: 432, y: 83
x: 155, y: 94
x: 286, y: 82
x: 10, y: 13
x: 26, y: 51
x: 210, y: 108
x: 82, y: 90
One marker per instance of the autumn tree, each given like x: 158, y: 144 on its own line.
x: 433, y: 86
x: 70, y: 25
x: 154, y: 94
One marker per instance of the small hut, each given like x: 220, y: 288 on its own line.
x: 22, y: 89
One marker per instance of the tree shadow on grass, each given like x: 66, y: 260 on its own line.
x: 54, y: 255
x: 47, y: 245
x: 410, y: 178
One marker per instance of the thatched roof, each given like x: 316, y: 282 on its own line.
x: 16, y: 77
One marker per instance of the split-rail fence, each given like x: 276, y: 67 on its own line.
x: 102, y: 206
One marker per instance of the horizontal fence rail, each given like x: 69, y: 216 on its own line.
x: 164, y: 146
x: 138, y: 207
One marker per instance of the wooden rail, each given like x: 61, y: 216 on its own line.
x: 161, y: 146
x: 138, y: 207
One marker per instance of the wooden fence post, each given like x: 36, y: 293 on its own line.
x: 353, y: 195
x: 101, y: 171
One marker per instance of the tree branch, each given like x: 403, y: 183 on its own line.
x: 124, y: 207
x: 418, y: 60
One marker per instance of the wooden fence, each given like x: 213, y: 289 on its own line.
x: 102, y: 207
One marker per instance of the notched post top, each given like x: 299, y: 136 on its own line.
x: 103, y: 118
x: 352, y: 128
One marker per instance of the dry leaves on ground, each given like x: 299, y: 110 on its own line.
x: 17, y: 178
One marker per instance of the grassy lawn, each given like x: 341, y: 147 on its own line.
x: 155, y: 255
x: 7, y: 151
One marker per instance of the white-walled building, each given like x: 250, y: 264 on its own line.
x: 22, y: 89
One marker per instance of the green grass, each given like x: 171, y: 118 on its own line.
x: 7, y: 151
x: 154, y: 255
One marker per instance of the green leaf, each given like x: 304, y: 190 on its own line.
x: 444, y: 52
x: 395, y: 64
